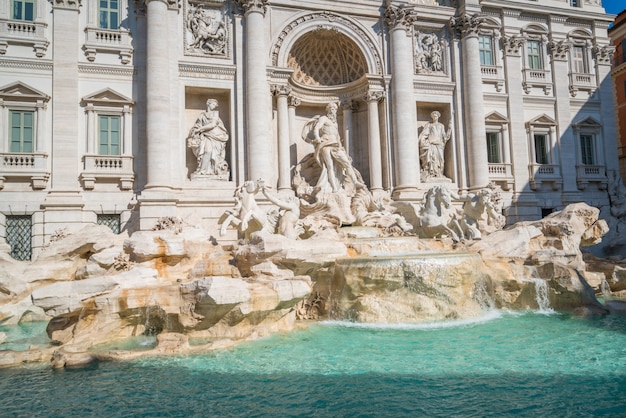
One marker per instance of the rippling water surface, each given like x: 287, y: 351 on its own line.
x: 500, y: 365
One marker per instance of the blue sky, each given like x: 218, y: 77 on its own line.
x: 614, y: 6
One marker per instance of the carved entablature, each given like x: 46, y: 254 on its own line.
x: 206, y: 30
x: 466, y: 25
x: 430, y: 52
x: 559, y: 49
x: 246, y: 6
x: 512, y: 45
x: 400, y: 17
x: 66, y: 4
x: 447, y: 3
x: 603, y: 54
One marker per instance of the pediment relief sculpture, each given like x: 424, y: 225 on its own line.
x: 429, y: 53
x: 206, y: 31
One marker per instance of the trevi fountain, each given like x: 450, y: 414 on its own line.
x: 333, y: 300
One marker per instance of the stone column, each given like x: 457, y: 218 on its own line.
x: 128, y: 131
x: 373, y: 139
x: 292, y: 103
x: 559, y: 52
x: 468, y: 26
x: 284, y: 176
x: 91, y: 129
x: 260, y: 149
x: 65, y: 43
x: 159, y: 149
x: 404, y: 113
x: 347, y: 107
x: 518, y: 156
x: 39, y: 142
x: 603, y: 56
x: 63, y: 206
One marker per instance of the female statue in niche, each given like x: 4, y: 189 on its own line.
x: 432, y: 144
x: 207, y: 139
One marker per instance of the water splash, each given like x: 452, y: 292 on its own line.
x: 542, y: 296
x: 606, y: 290
x: 482, y: 297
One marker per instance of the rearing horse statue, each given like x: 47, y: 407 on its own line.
x: 437, y: 216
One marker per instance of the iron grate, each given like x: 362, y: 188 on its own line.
x: 110, y: 220
x: 19, y: 230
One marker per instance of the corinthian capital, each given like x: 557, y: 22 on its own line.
x: 512, y: 45
x: 603, y: 54
x: 374, y: 96
x: 466, y: 25
x: 280, y: 90
x: 400, y: 17
x: 559, y: 49
x: 142, y: 4
x: 66, y: 4
x: 247, y: 6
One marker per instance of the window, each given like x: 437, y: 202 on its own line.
x: 542, y: 151
x: 624, y: 50
x: 574, y: 3
x: 19, y: 232
x: 493, y: 147
x: 23, y: 10
x: 21, y: 128
x: 586, y: 149
x: 108, y: 14
x: 579, y: 60
x: 110, y: 220
x: 533, y: 54
x: 109, y: 135
x: 485, y: 47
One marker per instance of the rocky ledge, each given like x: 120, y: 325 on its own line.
x: 179, y: 284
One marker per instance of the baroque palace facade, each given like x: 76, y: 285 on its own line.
x: 125, y: 111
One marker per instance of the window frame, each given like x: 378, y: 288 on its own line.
x: 106, y: 12
x: 494, y: 137
x: 530, y: 64
x: 587, y: 148
x: 109, y: 117
x: 21, y: 127
x: 583, y: 59
x: 482, y: 51
x: 23, y: 18
x: 546, y: 145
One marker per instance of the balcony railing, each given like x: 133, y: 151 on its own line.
x: 19, y: 32
x: 537, y: 78
x: 545, y: 173
x: 25, y: 165
x: 501, y: 173
x: 108, y: 167
x: 493, y: 74
x: 581, y: 81
x: 109, y: 41
x: 586, y: 174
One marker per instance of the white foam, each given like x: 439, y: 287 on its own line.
x: 489, y: 316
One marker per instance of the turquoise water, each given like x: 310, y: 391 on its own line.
x: 502, y: 365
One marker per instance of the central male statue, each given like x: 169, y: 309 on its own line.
x: 323, y: 133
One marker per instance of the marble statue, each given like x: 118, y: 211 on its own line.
x: 246, y: 215
x: 207, y: 30
x: 323, y: 133
x: 207, y: 139
x: 432, y: 143
x: 289, y: 215
x: 379, y: 213
x: 475, y: 205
